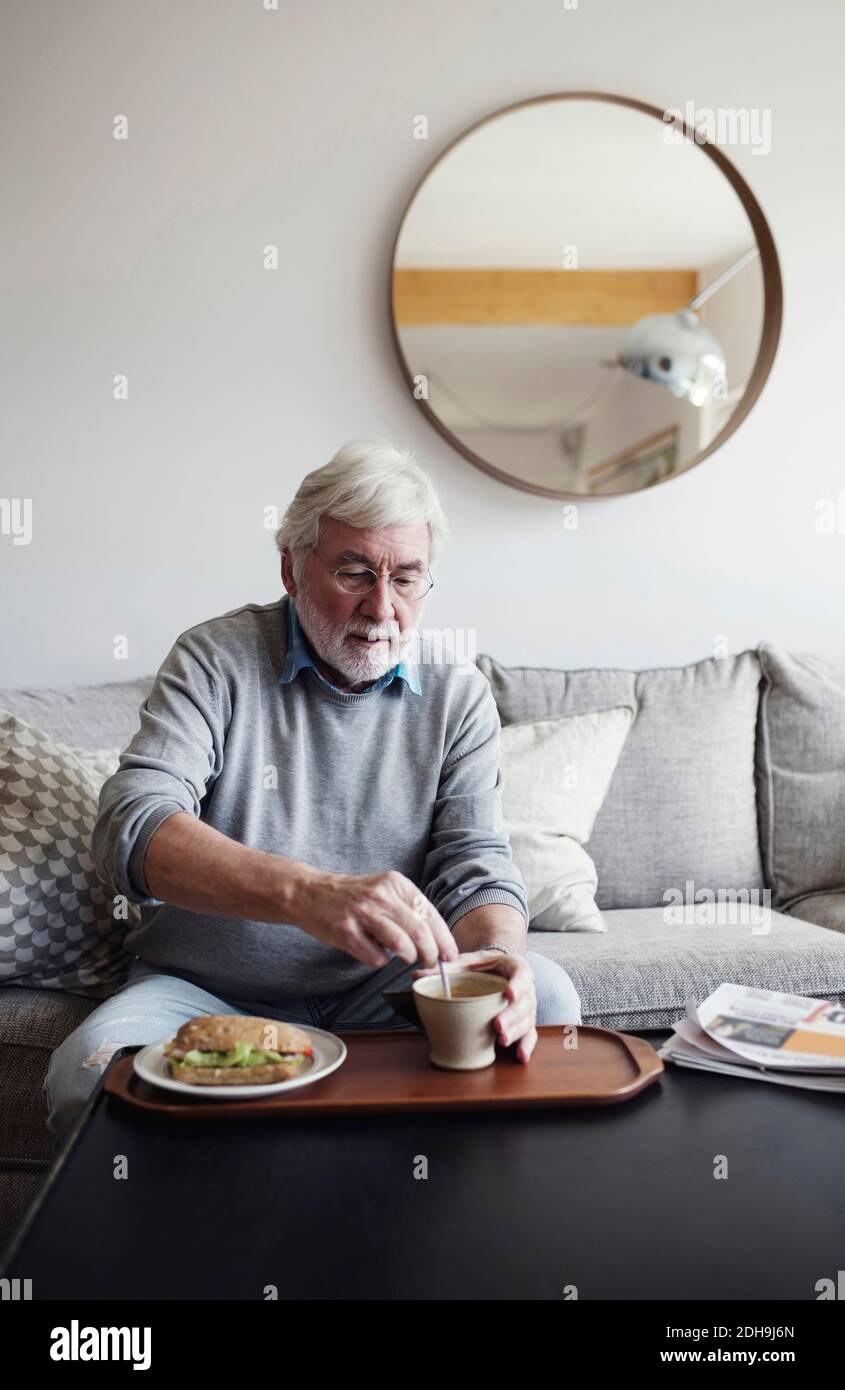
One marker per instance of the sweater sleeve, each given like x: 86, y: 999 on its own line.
x: 173, y: 757
x: 469, y: 861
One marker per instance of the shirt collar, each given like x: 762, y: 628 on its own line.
x: 297, y: 657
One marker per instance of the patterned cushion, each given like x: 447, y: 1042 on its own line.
x: 56, y: 925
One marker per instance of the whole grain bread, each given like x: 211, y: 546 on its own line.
x: 220, y: 1032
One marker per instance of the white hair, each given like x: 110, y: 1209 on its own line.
x: 368, y: 483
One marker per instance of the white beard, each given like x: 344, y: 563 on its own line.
x: 354, y: 660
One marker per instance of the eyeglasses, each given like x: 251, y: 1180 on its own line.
x: 356, y: 579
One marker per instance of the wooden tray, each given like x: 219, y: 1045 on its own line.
x: 389, y: 1070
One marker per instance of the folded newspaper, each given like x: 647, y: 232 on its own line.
x: 757, y: 1033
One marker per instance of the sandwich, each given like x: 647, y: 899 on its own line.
x: 237, y: 1050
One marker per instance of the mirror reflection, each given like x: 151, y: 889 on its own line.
x: 578, y: 296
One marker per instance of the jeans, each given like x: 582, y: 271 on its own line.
x: 151, y: 1006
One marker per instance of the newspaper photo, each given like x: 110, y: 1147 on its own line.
x: 763, y: 1035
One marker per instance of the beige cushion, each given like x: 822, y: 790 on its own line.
x: 556, y: 773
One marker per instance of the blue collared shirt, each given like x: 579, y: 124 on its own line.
x: 297, y: 656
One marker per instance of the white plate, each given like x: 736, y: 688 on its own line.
x: 329, y: 1053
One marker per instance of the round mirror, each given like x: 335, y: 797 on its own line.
x: 586, y: 296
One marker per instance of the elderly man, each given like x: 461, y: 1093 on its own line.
x: 306, y: 814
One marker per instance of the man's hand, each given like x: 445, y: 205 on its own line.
x: 371, y: 916
x: 516, y: 1022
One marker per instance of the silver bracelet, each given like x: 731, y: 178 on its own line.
x: 498, y: 946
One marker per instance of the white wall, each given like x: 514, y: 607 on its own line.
x: 295, y: 127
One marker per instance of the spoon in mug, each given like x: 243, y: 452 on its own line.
x: 419, y: 905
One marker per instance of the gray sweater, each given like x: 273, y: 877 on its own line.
x: 351, y: 783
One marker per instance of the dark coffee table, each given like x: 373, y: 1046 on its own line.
x: 618, y: 1200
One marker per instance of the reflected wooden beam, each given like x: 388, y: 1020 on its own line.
x: 570, y: 297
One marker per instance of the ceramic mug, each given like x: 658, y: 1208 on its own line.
x: 460, y: 1029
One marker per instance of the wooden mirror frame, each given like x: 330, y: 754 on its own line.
x: 772, y: 296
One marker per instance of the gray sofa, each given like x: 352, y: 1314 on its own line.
x: 732, y: 779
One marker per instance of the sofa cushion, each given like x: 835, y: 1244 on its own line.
x: 33, y: 1022
x: 537, y: 692
x: 58, y: 928
x: 639, y: 974
x: 84, y: 716
x: 682, y: 802
x: 801, y: 773
x: 555, y: 777
x: 825, y: 909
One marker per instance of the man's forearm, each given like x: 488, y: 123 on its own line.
x: 491, y: 922
x: 192, y: 865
